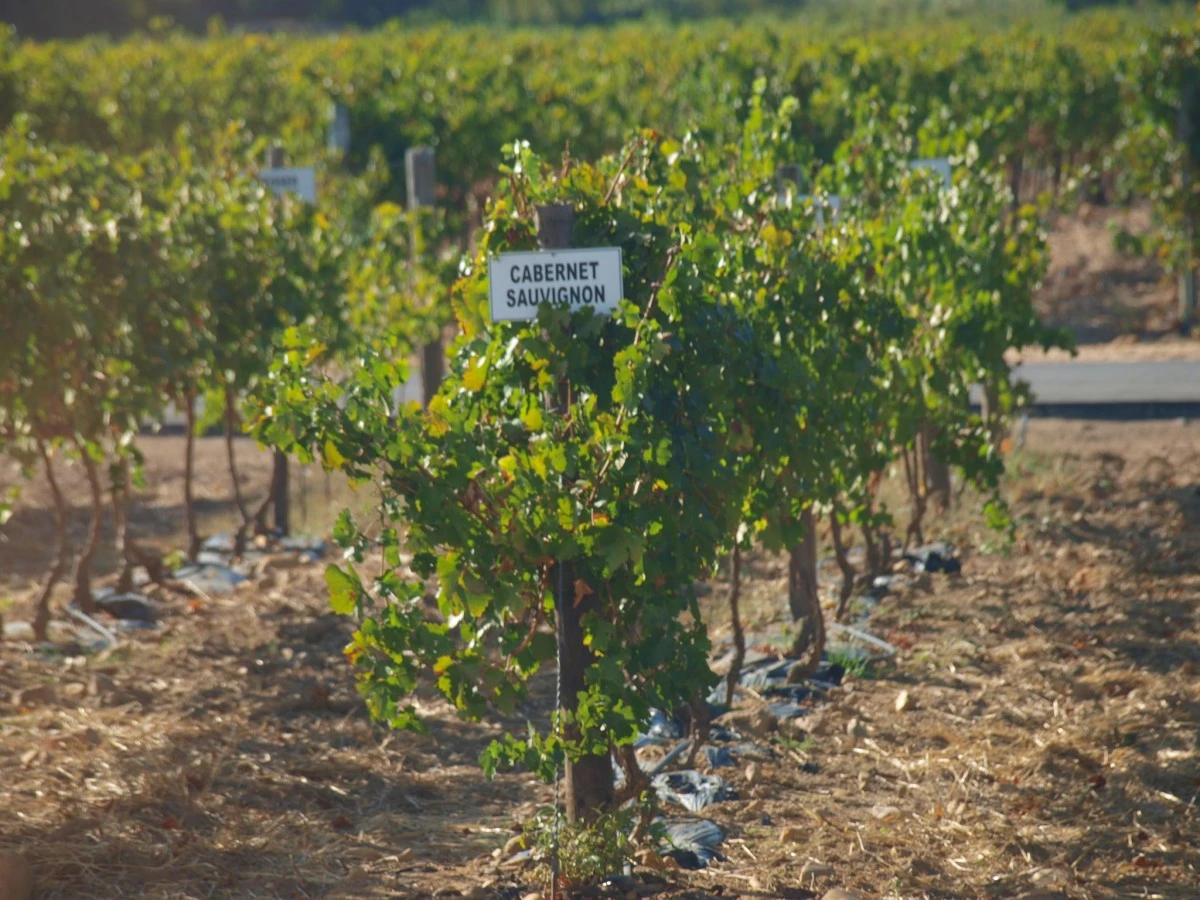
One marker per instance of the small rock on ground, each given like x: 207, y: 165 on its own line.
x: 840, y: 894
x: 884, y: 813
x: 759, y: 722
x: 815, y: 870
x: 16, y: 877
x: 41, y: 695
x: 792, y: 835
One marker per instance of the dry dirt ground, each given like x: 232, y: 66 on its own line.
x: 1049, y: 746
x: 1119, y: 307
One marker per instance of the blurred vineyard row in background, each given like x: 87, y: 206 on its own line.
x: 74, y: 18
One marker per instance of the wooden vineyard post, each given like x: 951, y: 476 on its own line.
x: 279, y: 474
x: 589, y: 780
x: 420, y: 172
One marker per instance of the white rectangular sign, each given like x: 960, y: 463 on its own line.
x: 941, y: 165
x: 302, y: 182
x: 521, y: 282
x: 833, y: 201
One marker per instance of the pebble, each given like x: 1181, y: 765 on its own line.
x: 902, y: 701
x: 532, y: 896
x: 1056, y: 877
x: 41, y: 695
x: 16, y: 877
x: 841, y: 894
x: 855, y: 729
x: 815, y: 870
x: 18, y: 631
x: 793, y: 834
x: 884, y: 813
x: 280, y: 561
x: 759, y: 722
x: 753, y: 773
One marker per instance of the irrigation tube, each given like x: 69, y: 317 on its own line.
x: 864, y: 637
x: 94, y: 625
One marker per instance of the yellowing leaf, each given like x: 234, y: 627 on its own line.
x: 508, y: 464
x: 538, y: 464
x: 533, y: 419
x: 333, y: 458
x: 438, y: 407
x: 477, y: 604
x: 475, y: 376
x: 344, y: 589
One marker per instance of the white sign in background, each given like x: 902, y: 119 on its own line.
x: 302, y: 182
x: 940, y: 164
x: 519, y: 283
x: 833, y: 201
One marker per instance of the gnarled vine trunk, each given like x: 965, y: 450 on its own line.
x: 935, y: 470
x: 83, y: 566
x: 189, y: 470
x: 41, y: 615
x: 843, y: 560
x: 735, y: 621
x: 120, y: 510
x: 239, y: 539
x: 804, y: 600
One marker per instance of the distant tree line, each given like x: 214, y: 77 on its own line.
x: 45, y: 19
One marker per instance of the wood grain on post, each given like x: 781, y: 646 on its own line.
x: 589, y: 780
x: 279, y: 477
x: 420, y: 177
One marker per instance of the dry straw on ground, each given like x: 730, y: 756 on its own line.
x: 1049, y: 743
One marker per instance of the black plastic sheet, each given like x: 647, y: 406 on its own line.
x: 127, y: 607
x: 209, y: 579
x: 936, y: 557
x: 694, y: 842
x: 691, y: 789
